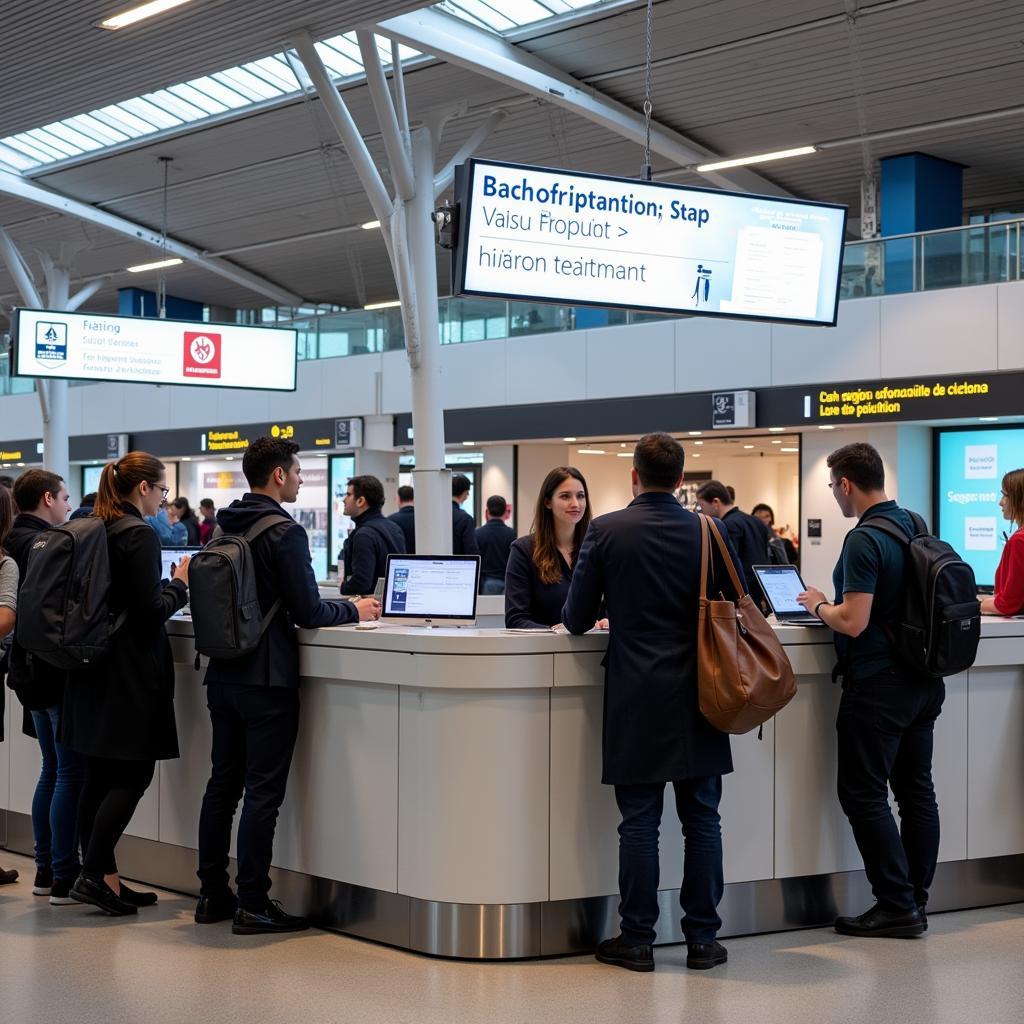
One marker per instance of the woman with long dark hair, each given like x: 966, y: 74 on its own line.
x: 540, y: 564
x: 1008, y: 598
x: 8, y: 610
x: 120, y: 713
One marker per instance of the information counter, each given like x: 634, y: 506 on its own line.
x: 445, y: 795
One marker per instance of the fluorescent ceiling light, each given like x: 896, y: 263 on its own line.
x: 695, y: 433
x: 569, y: 440
x: 988, y: 419
x: 625, y: 455
x: 698, y: 442
x: 158, y: 265
x: 370, y: 225
x: 776, y: 442
x: 826, y: 427
x: 742, y: 161
x: 695, y: 455
x: 789, y: 449
x: 468, y: 444
x: 390, y: 304
x: 140, y: 13
x: 590, y: 451
x: 776, y: 430
x: 748, y: 446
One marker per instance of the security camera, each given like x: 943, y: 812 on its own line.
x: 445, y: 225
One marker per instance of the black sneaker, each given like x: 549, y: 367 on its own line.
x: 881, y: 923
x: 43, y: 883
x: 211, y: 909
x: 702, y: 956
x: 8, y: 876
x: 924, y: 916
x: 618, y: 954
x: 97, y: 893
x: 60, y: 894
x: 136, y: 898
x: 271, y: 919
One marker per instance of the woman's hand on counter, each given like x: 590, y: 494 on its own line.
x: 988, y: 606
x: 601, y: 624
x: 369, y: 608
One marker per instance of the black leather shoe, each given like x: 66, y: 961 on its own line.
x: 618, y: 954
x: 702, y: 956
x: 881, y: 923
x: 272, y: 919
x: 98, y: 894
x: 924, y: 916
x: 211, y: 909
x: 136, y: 898
x: 8, y: 876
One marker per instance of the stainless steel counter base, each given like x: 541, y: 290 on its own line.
x: 531, y: 930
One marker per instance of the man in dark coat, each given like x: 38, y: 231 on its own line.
x: 463, y: 524
x: 254, y: 699
x: 750, y: 537
x: 366, y: 549
x: 405, y: 517
x: 645, y: 562
x: 494, y: 539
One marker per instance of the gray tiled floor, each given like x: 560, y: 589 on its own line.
x: 68, y: 964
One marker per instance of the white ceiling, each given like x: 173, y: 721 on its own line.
x: 737, y: 76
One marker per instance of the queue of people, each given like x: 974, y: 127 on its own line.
x: 99, y: 741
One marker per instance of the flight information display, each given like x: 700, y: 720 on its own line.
x: 536, y: 233
x: 970, y: 465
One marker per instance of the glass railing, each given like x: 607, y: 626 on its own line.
x: 947, y: 258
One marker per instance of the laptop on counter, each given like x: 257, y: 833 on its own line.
x: 431, y: 590
x: 781, y: 584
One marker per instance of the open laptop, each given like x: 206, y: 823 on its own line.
x: 781, y: 584
x: 431, y: 590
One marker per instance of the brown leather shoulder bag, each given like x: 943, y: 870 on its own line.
x: 744, y: 676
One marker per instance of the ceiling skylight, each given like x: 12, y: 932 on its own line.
x: 237, y: 88
x: 190, y: 102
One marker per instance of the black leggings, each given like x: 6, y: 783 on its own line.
x: 110, y: 795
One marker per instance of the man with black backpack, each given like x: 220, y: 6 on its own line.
x: 366, y: 550
x: 902, y: 619
x: 252, y: 686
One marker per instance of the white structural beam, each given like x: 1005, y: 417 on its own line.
x: 453, y: 40
x: 15, y: 185
x: 447, y: 174
x: 16, y: 267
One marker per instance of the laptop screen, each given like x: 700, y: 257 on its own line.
x: 781, y: 584
x: 426, y: 587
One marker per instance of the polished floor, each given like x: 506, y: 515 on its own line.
x: 70, y: 964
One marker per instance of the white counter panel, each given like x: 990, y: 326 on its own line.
x: 340, y: 818
x: 473, y: 795
x: 995, y: 776
x: 748, y: 817
x: 949, y: 770
x: 25, y: 761
x: 7, y: 703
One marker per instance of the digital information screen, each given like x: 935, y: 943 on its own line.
x: 970, y: 465
x: 431, y: 587
x: 144, y: 350
x: 558, y: 236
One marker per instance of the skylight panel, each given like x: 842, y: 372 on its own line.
x: 72, y: 137
x: 40, y: 142
x: 123, y: 120
x: 31, y: 150
x: 252, y: 86
x: 479, y: 13
x: 151, y: 112
x: 230, y: 97
x: 15, y: 158
x: 503, y: 16
x: 88, y: 125
x: 338, y: 62
x: 176, y: 105
x: 277, y: 71
x: 203, y: 100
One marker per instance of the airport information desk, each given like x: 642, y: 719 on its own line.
x: 445, y: 794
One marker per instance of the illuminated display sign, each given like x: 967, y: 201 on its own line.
x: 537, y: 233
x: 143, y: 350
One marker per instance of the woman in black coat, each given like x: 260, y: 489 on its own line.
x: 540, y: 565
x: 120, y: 712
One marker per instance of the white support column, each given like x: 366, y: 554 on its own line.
x: 432, y: 481
x: 56, y: 452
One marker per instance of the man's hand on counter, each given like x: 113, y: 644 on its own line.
x: 811, y: 598
x: 369, y: 608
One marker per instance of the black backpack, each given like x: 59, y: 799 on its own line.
x: 66, y: 586
x: 940, y: 624
x: 225, y: 604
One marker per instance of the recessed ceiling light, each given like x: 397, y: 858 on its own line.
x: 625, y: 455
x: 789, y: 449
x: 695, y: 455
x: 590, y: 451
x: 229, y: 458
x: 141, y: 268
x: 695, y: 433
x: 988, y: 419
x: 776, y: 430
x: 698, y: 442
x: 468, y: 444
x: 748, y: 446
x: 826, y: 427
x: 140, y: 13
x: 186, y: 458
x: 370, y: 225
x: 776, y: 442
x: 569, y: 440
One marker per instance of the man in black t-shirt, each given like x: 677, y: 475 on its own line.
x: 887, y: 714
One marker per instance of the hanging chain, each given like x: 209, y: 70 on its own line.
x: 161, y: 283
x: 646, y: 172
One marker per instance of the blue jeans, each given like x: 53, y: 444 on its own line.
x: 55, y: 803
x: 703, y: 877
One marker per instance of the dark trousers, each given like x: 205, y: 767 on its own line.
x: 703, y: 880
x: 110, y: 794
x: 254, y: 731
x: 886, y: 729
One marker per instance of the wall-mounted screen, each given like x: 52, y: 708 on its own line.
x: 970, y: 465
x: 143, y: 350
x: 538, y: 233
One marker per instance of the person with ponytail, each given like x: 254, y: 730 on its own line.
x: 119, y: 713
x: 1008, y: 598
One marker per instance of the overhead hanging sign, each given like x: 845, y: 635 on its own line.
x: 143, y: 350
x: 539, y: 234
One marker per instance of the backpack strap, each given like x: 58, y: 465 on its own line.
x: 887, y: 526
x: 260, y: 527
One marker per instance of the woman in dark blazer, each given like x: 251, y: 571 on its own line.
x: 120, y: 713
x: 540, y: 564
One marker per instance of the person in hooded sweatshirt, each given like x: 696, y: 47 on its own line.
x: 254, y: 699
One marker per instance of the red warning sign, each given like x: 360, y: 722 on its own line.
x: 202, y: 354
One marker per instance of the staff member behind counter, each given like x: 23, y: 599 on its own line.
x: 1008, y: 598
x: 540, y: 564
x: 366, y: 549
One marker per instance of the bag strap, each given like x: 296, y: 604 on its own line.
x: 263, y: 524
x: 887, y: 526
x: 710, y: 527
